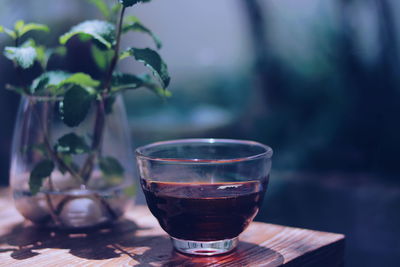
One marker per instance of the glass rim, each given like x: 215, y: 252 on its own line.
x: 268, y: 152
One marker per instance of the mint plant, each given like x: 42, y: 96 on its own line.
x: 79, y: 92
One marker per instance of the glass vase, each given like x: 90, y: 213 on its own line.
x: 71, y: 177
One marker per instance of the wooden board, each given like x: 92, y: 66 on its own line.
x: 137, y: 240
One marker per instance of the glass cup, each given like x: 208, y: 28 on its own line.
x: 204, y: 192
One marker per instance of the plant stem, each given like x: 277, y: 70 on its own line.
x: 52, y: 210
x: 52, y: 153
x: 53, y: 213
x: 97, y: 137
x: 98, y: 128
x: 116, y: 52
x: 107, y: 206
x: 55, y: 159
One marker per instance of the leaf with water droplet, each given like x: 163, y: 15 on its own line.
x: 41, y: 171
x: 75, y: 105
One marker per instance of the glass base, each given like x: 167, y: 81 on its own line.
x: 204, y: 248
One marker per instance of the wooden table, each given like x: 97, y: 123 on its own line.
x: 137, y: 240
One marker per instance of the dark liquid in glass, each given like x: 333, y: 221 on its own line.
x: 204, y: 211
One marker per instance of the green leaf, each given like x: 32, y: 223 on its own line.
x: 150, y: 84
x: 102, y: 7
x: 124, y: 81
x: 152, y: 60
x: 54, y: 82
x: 75, y: 105
x: 102, y: 31
x: 9, y: 32
x: 101, y: 57
x: 128, y: 3
x: 82, y: 79
x: 161, y: 92
x: 32, y: 27
x: 41, y: 56
x: 130, y: 191
x: 115, y: 9
x: 112, y: 170
x: 40, y: 148
x: 59, y: 50
x: 44, y: 54
x: 134, y: 24
x: 40, y: 172
x: 41, y: 85
x: 19, y: 24
x: 110, y: 166
x: 49, y: 81
x: 15, y: 89
x: 29, y: 43
x: 23, y: 56
x: 69, y: 161
x: 125, y: 54
x: 72, y: 144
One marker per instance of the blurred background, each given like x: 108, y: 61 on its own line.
x: 317, y: 80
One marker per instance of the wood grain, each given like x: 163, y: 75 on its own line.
x: 137, y: 240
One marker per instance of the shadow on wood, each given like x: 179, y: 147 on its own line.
x: 96, y: 244
x: 121, y: 240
